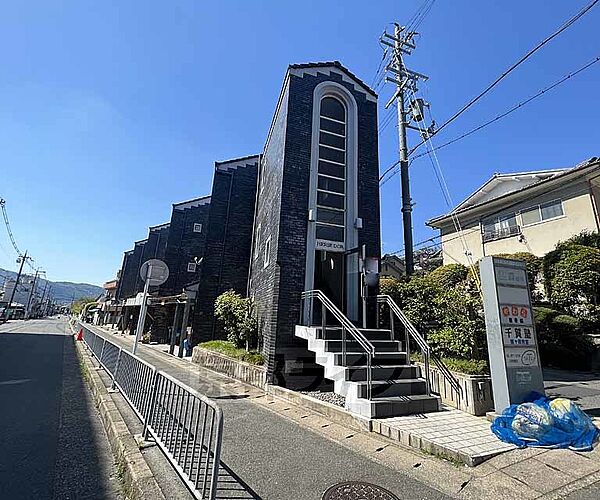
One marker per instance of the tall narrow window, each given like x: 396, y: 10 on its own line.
x: 331, y: 185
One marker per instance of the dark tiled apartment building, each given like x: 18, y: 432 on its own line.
x: 297, y: 217
x: 185, y: 245
x: 318, y: 204
x: 228, y: 240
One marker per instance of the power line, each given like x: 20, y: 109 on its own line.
x: 10, y: 234
x: 498, y: 117
x: 532, y: 51
x: 514, y: 108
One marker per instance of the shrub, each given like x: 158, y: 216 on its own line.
x: 449, y: 275
x: 229, y: 349
x: 562, y: 340
x: 462, y: 332
x: 446, y: 307
x: 236, y: 315
x: 575, y: 279
x: 467, y: 366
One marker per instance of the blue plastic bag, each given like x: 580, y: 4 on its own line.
x: 546, y: 423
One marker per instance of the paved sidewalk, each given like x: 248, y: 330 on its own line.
x: 450, y: 433
x: 286, y: 451
x: 274, y: 447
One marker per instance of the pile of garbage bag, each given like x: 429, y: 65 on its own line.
x: 546, y: 423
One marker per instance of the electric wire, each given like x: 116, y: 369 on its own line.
x: 514, y: 108
x: 390, y: 170
x: 521, y: 60
x: 437, y: 168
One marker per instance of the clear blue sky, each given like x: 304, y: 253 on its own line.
x: 111, y: 111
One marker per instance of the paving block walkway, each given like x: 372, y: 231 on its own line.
x: 450, y: 433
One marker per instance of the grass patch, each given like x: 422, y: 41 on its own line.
x: 230, y: 350
x: 466, y: 366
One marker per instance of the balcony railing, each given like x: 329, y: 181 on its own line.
x: 504, y: 232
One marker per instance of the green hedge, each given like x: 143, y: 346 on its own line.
x: 229, y: 349
x: 466, y: 366
x: 562, y: 340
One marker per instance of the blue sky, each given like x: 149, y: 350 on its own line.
x: 111, y: 111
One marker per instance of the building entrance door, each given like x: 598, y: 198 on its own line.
x: 329, y: 278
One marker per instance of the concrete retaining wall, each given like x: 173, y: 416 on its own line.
x: 251, y: 374
x: 476, y: 398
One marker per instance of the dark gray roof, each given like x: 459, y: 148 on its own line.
x: 336, y: 64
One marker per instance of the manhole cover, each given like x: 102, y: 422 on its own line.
x: 356, y: 490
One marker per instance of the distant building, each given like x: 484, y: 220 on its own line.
x: 522, y: 212
x: 392, y: 266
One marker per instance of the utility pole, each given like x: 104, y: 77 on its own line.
x: 31, y: 293
x: 402, y: 43
x: 22, y: 260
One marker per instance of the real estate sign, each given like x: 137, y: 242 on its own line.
x: 512, y: 344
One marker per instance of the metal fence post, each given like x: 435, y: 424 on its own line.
x: 151, y: 402
x: 114, y: 382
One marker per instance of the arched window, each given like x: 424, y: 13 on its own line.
x: 331, y: 185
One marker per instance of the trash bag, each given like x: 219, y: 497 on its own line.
x: 546, y: 423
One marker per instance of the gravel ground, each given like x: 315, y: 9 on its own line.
x: 328, y: 397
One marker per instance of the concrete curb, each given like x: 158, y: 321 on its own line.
x: 139, y: 482
x: 335, y: 413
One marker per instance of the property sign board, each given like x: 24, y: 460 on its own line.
x: 330, y: 246
x: 512, y: 343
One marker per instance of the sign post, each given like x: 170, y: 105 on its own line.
x: 154, y: 272
x: 512, y: 341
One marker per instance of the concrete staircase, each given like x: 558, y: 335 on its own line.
x: 397, y: 386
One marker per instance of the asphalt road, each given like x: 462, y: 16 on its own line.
x: 52, y: 443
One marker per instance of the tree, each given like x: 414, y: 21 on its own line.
x: 236, y: 315
x: 77, y: 306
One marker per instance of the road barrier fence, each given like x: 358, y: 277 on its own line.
x: 186, y: 425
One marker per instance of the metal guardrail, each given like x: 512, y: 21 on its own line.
x: 328, y: 306
x: 411, y: 332
x: 187, y: 426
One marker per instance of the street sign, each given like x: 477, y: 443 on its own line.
x: 512, y: 343
x: 157, y: 269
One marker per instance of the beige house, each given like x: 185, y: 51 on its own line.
x: 522, y: 212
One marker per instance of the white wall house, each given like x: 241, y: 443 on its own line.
x: 522, y: 212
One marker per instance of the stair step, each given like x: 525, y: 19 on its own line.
x: 382, y: 407
x: 390, y: 388
x: 391, y: 372
x: 380, y: 359
x: 353, y: 345
x: 332, y: 333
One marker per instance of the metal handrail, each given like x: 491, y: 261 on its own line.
x: 186, y: 425
x: 347, y: 325
x: 426, y: 351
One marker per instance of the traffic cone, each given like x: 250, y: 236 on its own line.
x: 79, y: 335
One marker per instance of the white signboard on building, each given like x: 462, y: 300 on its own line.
x: 330, y: 246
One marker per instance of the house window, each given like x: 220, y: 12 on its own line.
x: 331, y: 179
x: 197, y: 227
x: 267, y: 254
x: 191, y: 267
x: 545, y: 211
x: 497, y: 227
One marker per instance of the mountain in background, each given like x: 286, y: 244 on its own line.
x: 62, y: 292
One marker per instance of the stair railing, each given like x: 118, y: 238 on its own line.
x: 411, y: 331
x: 347, y: 326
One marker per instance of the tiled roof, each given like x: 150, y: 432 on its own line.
x: 593, y: 162
x: 337, y: 65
